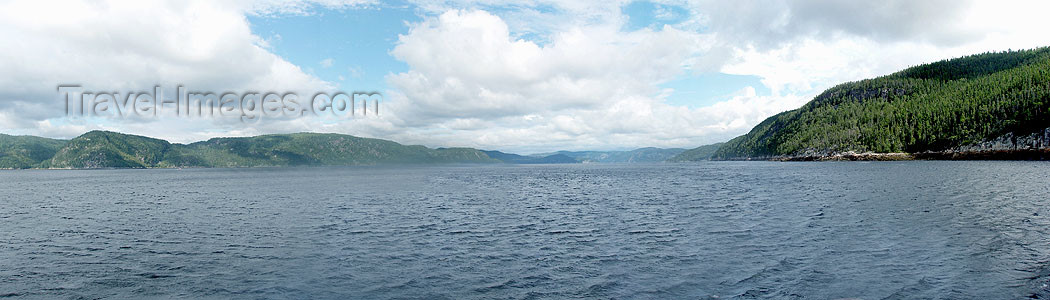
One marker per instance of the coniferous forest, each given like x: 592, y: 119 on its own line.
x: 950, y: 104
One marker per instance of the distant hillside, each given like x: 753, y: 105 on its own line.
x: 648, y: 154
x: 20, y: 152
x: 521, y: 159
x: 979, y: 106
x: 314, y: 149
x: 701, y: 153
x: 104, y: 149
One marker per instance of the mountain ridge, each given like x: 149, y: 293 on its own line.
x: 108, y: 149
x: 640, y: 155
x: 524, y: 159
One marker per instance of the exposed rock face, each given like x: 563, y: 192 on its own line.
x: 1034, y: 146
x: 1034, y: 141
x: 885, y: 93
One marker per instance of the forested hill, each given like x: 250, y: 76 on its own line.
x: 984, y: 105
x: 640, y: 155
x: 697, y: 154
x: 104, y: 149
x: 21, y: 152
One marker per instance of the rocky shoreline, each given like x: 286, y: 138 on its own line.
x: 1013, y: 154
x: 848, y: 156
x: 1033, y: 146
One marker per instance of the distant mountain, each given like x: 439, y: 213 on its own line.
x: 21, y: 152
x: 701, y: 153
x: 327, y: 149
x: 648, y: 154
x: 985, y: 106
x: 104, y: 149
x: 521, y: 159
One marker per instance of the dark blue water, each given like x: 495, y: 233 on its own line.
x: 734, y: 230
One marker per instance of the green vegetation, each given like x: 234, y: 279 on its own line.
x: 314, y: 149
x: 21, y: 152
x: 104, y: 149
x: 933, y: 107
x: 521, y: 159
x: 704, y: 152
x: 648, y: 154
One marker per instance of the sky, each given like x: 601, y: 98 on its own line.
x: 517, y: 76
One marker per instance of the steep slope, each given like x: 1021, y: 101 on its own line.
x: 701, y: 153
x: 986, y: 102
x: 22, y: 152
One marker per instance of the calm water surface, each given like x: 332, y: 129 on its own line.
x: 732, y: 230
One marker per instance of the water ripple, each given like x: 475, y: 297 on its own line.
x: 728, y: 230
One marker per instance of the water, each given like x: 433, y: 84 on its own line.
x: 733, y: 230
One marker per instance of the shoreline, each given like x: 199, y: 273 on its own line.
x: 1012, y: 154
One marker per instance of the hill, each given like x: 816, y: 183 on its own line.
x: 104, y: 149
x: 21, y: 152
x: 326, y: 149
x: 521, y: 159
x: 701, y: 153
x: 978, y: 106
x: 648, y: 154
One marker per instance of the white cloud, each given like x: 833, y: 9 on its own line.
x: 809, y: 61
x: 466, y: 64
x: 130, y: 46
x: 472, y: 82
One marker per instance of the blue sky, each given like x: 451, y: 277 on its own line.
x: 646, y: 14
x: 351, y: 46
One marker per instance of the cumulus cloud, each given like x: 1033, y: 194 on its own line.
x: 590, y: 86
x: 466, y: 64
x: 770, y: 24
x: 130, y: 46
x: 808, y: 46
